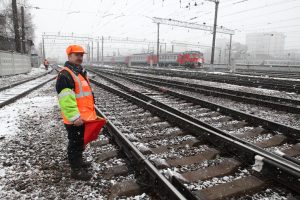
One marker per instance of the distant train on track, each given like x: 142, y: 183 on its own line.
x: 191, y: 59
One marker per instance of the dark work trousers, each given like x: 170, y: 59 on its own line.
x: 75, y: 146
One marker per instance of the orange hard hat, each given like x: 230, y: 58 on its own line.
x: 74, y: 49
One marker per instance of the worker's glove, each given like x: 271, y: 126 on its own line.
x: 78, y: 122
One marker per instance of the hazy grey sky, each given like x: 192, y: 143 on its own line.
x: 131, y: 18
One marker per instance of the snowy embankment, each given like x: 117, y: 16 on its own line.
x: 7, y: 80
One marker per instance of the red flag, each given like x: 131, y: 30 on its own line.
x: 92, y: 129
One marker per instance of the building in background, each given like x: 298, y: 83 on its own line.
x: 238, y: 51
x: 267, y: 45
x: 292, y: 54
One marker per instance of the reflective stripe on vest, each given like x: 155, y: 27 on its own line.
x: 81, y: 93
x: 65, y: 93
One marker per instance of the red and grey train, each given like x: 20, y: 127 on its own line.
x: 188, y: 58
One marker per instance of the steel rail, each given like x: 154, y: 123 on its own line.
x: 221, y: 91
x: 290, y: 86
x: 142, y: 164
x: 291, y: 132
x: 22, y: 94
x: 274, y: 167
x: 24, y: 81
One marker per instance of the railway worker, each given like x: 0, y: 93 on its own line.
x: 46, y: 64
x: 76, y: 102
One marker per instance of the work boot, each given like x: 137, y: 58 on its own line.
x: 84, y: 164
x: 80, y: 174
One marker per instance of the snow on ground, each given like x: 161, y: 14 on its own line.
x: 254, y: 90
x: 39, y: 70
x: 9, y: 120
x: 7, y: 80
x: 33, y: 162
x: 266, y: 76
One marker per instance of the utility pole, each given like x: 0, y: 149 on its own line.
x: 16, y: 25
x: 220, y: 55
x: 214, y: 31
x: 43, y: 47
x: 230, y: 44
x: 102, y: 48
x: 92, y: 51
x: 23, y: 30
x: 98, y: 55
x: 157, y: 44
x: 165, y: 48
x: 89, y: 53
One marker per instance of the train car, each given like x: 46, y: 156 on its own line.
x: 169, y: 59
x: 191, y: 59
x: 139, y: 59
x: 164, y: 59
x: 151, y: 59
x: 188, y: 59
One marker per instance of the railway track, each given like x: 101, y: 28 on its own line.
x: 216, y: 110
x: 199, y: 162
x: 115, y: 168
x: 293, y: 75
x: 268, y: 83
x: 15, y: 91
x: 132, y: 176
x: 11, y: 83
x: 23, y: 81
x: 278, y: 103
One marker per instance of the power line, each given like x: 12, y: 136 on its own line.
x: 190, y: 25
x: 289, y: 26
x: 256, y: 16
x: 65, y: 19
x: 258, y: 7
x: 269, y: 23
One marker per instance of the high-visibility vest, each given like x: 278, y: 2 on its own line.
x: 84, y: 98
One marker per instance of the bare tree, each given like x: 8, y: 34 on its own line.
x: 6, y: 21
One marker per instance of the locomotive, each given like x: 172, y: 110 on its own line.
x: 191, y: 59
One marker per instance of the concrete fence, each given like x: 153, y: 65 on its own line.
x: 14, y: 63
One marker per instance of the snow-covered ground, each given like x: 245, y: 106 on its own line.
x: 7, y: 80
x: 32, y: 105
x: 33, y: 144
x: 33, y: 156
